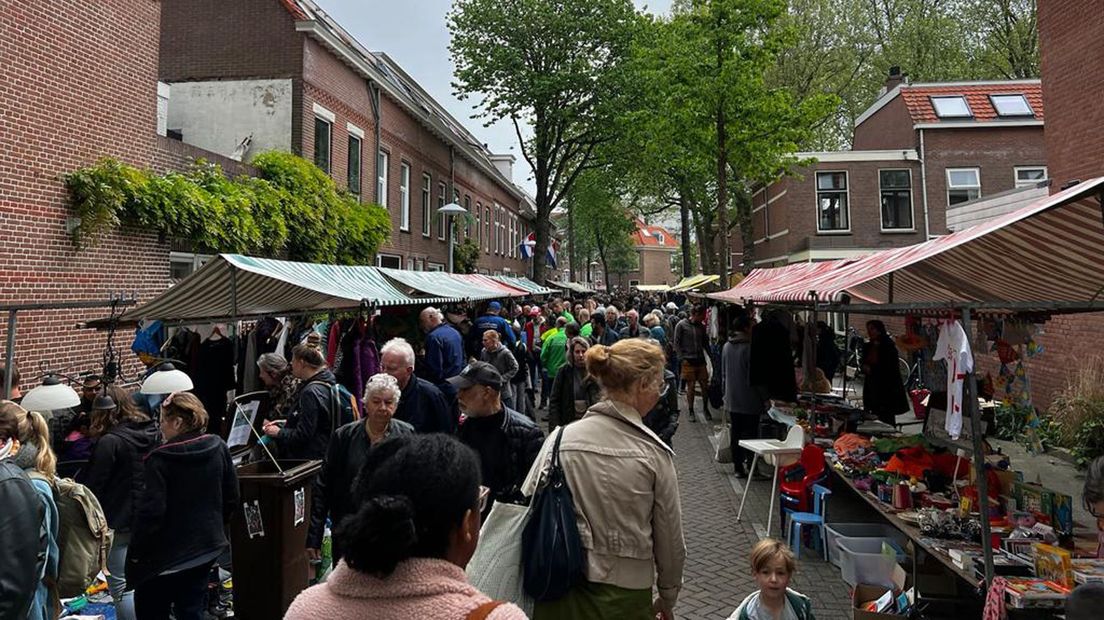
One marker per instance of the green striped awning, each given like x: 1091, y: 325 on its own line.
x: 274, y: 287
x: 525, y: 284
x: 444, y: 285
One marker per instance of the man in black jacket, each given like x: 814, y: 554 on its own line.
x: 333, y: 495
x: 309, y: 425
x: 22, y: 538
x: 422, y: 405
x: 663, y: 418
x: 506, y: 441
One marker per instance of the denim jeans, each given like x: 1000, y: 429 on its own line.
x: 116, y: 580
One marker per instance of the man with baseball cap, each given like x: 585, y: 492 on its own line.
x: 507, y: 442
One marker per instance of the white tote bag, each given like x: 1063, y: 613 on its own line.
x: 496, y: 568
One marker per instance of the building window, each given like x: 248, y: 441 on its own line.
x: 427, y: 204
x: 404, y: 197
x: 951, y: 107
x: 435, y: 267
x: 381, y: 181
x: 1027, y: 176
x: 389, y: 260
x: 440, y: 205
x: 832, y: 209
x: 963, y: 184
x: 467, y: 220
x: 479, y: 223
x: 354, y: 165
x: 487, y: 227
x: 1011, y: 105
x: 631, y: 283
x: 896, y: 191
x: 184, y: 264
x: 421, y: 265
x: 323, y: 131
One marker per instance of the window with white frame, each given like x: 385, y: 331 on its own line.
x: 440, y: 218
x: 404, y: 197
x: 487, y: 227
x: 896, y: 192
x: 467, y: 219
x: 323, y: 136
x: 479, y: 223
x: 392, y: 261
x: 421, y: 265
x: 832, y: 208
x: 1030, y: 175
x: 634, y: 282
x: 427, y: 204
x: 435, y: 267
x: 354, y: 165
x: 963, y: 184
x: 1011, y: 105
x: 183, y: 264
x: 381, y: 178
x: 410, y: 266
x: 953, y: 106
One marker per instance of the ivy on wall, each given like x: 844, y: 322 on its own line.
x: 291, y: 209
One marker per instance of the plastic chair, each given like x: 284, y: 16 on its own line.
x: 796, y: 493
x: 795, y: 439
x: 815, y: 519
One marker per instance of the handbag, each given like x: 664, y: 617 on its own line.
x: 496, y: 569
x: 724, y: 446
x: 552, y: 551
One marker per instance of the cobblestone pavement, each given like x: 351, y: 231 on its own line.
x: 717, y: 575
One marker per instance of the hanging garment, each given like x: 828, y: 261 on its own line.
x: 213, y: 377
x: 955, y: 349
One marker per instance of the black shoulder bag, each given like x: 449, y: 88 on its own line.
x: 552, y: 551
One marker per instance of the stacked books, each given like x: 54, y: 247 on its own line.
x: 1053, y: 564
x: 1087, y: 571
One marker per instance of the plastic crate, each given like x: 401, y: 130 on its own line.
x: 862, y: 561
x: 849, y: 531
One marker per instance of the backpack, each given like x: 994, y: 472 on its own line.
x: 343, y: 407
x: 84, y: 539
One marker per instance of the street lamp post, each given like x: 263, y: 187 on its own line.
x: 450, y: 210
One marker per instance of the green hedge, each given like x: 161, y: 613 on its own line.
x: 292, y: 209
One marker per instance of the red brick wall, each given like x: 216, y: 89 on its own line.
x: 78, y: 81
x: 994, y: 151
x: 1071, y: 51
x: 888, y: 128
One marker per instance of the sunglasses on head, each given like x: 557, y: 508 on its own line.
x: 484, y: 496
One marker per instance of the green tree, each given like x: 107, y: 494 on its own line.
x: 605, y: 226
x: 465, y: 256
x: 554, y: 67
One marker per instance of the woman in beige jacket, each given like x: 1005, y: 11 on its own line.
x: 623, y: 480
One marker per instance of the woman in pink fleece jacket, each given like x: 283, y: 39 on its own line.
x: 407, y: 545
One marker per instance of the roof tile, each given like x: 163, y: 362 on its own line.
x: 918, y: 99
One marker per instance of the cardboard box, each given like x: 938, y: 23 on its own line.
x: 864, y: 593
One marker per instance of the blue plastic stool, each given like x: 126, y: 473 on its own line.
x: 798, y: 520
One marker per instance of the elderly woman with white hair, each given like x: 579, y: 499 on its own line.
x: 348, y: 450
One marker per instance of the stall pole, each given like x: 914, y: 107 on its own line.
x: 9, y: 355
x: 970, y: 408
x: 234, y: 313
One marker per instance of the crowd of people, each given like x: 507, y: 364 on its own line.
x: 458, y: 420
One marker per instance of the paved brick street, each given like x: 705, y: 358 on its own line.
x: 717, y: 577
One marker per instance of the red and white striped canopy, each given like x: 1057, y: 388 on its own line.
x: 1048, y: 251
x: 762, y: 284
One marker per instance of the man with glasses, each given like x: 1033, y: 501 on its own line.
x: 663, y: 418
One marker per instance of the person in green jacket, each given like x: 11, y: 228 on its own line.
x: 773, y: 564
x: 554, y: 350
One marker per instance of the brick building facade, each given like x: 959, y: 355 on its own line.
x: 654, y: 246
x: 298, y: 81
x: 78, y: 82
x: 918, y: 150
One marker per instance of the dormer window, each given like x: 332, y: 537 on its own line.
x: 1011, y: 105
x: 951, y: 107
x: 660, y: 238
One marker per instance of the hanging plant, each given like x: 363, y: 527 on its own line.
x: 292, y: 208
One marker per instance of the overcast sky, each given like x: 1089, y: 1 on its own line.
x: 415, y: 34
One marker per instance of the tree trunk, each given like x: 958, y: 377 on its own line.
x: 684, y: 212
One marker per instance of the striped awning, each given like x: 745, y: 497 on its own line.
x: 574, y: 287
x: 653, y: 288
x: 272, y: 287
x: 692, y: 282
x: 763, y: 284
x: 524, y: 284
x: 492, y: 284
x: 1048, y: 251
x: 443, y: 285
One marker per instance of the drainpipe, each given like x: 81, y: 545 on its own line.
x: 374, y: 95
x: 924, y: 186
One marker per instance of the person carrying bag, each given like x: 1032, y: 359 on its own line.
x: 552, y: 551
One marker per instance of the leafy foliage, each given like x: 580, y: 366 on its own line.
x: 1077, y: 412
x: 603, y: 226
x: 465, y: 256
x: 293, y: 209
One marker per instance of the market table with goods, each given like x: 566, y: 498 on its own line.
x: 923, y: 547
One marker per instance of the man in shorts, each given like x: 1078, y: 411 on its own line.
x: 690, y: 344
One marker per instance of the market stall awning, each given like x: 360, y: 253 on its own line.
x: 653, y: 288
x: 491, y: 283
x: 271, y: 287
x: 446, y: 285
x: 762, y: 284
x: 574, y: 287
x: 692, y: 282
x: 524, y: 284
x: 1047, y: 253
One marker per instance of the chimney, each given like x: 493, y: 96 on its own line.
x: 895, y: 79
x: 504, y: 163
